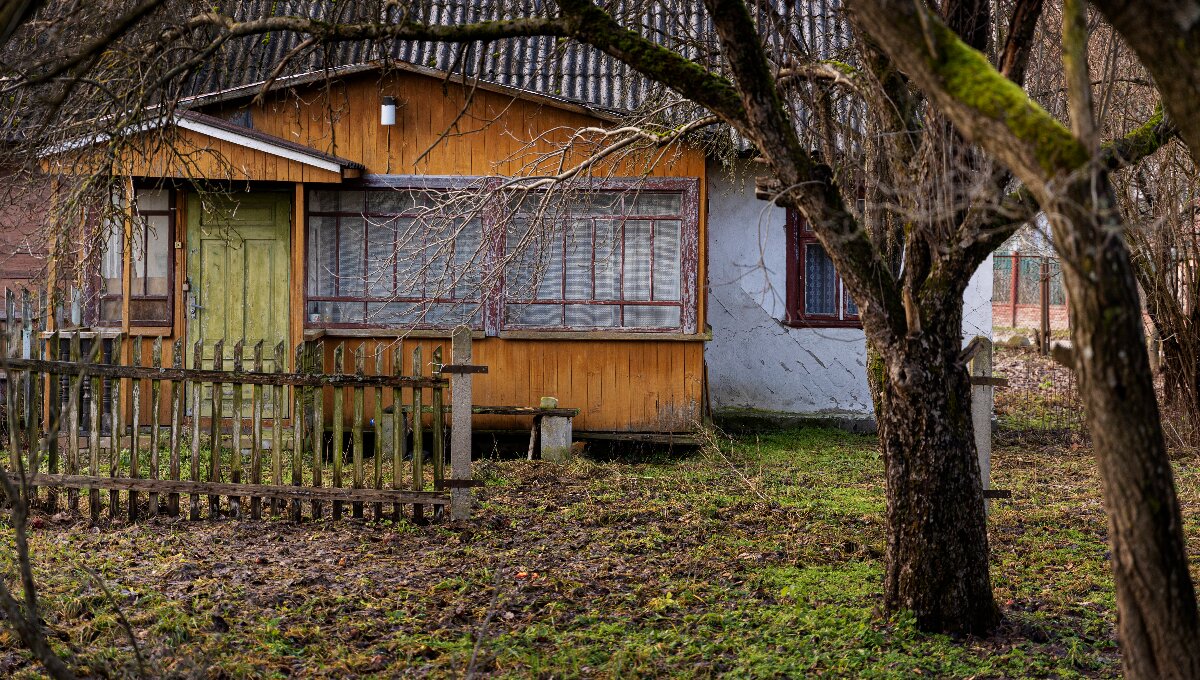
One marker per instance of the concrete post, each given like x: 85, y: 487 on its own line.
x: 555, y: 434
x: 460, y: 434
x: 981, y: 409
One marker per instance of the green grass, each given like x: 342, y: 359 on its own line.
x: 762, y: 559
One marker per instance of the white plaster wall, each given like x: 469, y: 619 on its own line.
x: 754, y: 361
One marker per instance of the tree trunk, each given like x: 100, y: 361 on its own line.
x: 937, y: 551
x: 1156, y: 603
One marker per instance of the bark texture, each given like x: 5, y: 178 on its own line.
x: 1157, y: 622
x: 937, y: 551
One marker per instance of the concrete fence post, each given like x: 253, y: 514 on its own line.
x: 981, y: 408
x: 460, y: 433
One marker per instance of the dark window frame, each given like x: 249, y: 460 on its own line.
x: 366, y: 300
x: 799, y: 238
x: 171, y: 213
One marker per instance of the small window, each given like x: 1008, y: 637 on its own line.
x: 613, y: 259
x: 389, y: 257
x: 816, y: 295
x: 152, y: 266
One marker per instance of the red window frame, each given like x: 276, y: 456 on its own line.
x: 800, y: 237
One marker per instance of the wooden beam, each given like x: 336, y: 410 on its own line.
x: 208, y: 375
x: 297, y: 311
x: 227, y: 489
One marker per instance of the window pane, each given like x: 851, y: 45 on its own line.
x: 600, y: 203
x: 637, y: 260
x: 390, y: 202
x: 394, y: 313
x: 157, y: 256
x: 521, y: 261
x: 666, y: 260
x: 322, y: 269
x: 380, y: 258
x: 534, y: 315
x: 851, y: 308
x: 351, y: 279
x: 649, y: 316
x: 656, y: 203
x: 579, y: 261
x: 820, y: 292
x: 153, y: 199
x: 323, y: 201
x: 469, y: 260
x: 410, y: 264
x: 110, y: 267
x: 351, y: 202
x: 608, y: 260
x: 593, y: 316
x: 549, y: 269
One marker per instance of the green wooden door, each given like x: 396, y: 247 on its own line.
x: 238, y: 268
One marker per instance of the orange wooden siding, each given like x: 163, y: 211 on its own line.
x: 617, y: 384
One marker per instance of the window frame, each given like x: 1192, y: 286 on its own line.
x: 494, y: 299
x: 799, y: 238
x: 688, y: 218
x: 364, y: 187
x: 171, y: 213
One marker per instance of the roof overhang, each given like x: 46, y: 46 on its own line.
x: 225, y: 131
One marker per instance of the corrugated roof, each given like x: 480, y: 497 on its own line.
x: 567, y: 69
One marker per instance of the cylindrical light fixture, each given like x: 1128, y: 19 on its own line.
x: 387, y: 113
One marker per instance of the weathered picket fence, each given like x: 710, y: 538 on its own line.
x: 77, y: 420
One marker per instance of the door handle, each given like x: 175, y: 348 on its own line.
x: 193, y: 306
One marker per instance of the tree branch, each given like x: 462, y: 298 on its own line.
x: 1014, y: 57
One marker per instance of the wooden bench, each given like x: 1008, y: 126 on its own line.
x: 551, y: 432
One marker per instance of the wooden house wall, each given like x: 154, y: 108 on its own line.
x: 647, y: 383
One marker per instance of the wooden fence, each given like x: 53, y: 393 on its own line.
x: 263, y: 444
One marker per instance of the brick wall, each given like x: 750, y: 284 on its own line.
x: 1028, y: 316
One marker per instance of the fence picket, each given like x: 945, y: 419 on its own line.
x: 318, y: 428
x: 216, y: 415
x: 95, y: 394
x: 76, y: 389
x: 378, y: 429
x: 338, y: 426
x: 399, y: 429
x: 298, y: 435
x: 256, y: 394
x: 155, y: 404
x: 438, y: 446
x: 53, y: 420
x: 418, y: 442
x: 135, y: 387
x: 235, y: 451
x: 178, y: 389
x: 277, y: 428
x: 114, y: 435
x: 357, y: 427
x: 197, y: 411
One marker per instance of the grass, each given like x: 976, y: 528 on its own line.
x: 762, y: 559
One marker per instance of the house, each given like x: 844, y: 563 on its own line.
x: 672, y: 292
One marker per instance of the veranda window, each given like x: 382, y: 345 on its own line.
x: 153, y: 232
x: 613, y: 259
x: 391, y: 257
x: 620, y: 257
x: 816, y: 295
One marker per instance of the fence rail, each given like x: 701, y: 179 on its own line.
x: 248, y: 440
